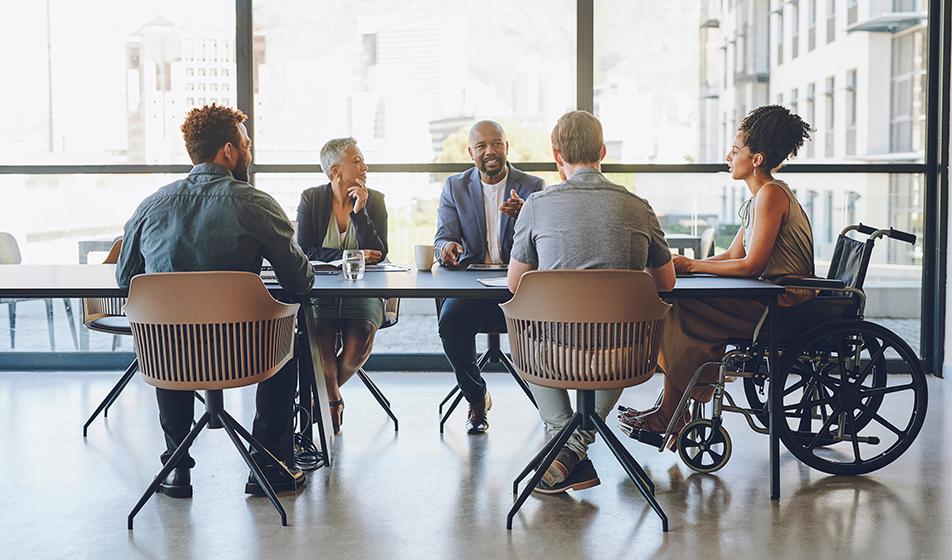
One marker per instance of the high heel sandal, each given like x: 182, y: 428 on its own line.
x: 337, y: 414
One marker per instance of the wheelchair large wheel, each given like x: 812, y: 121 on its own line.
x: 843, y: 413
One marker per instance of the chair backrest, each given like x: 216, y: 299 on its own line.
x: 585, y: 329
x: 9, y: 250
x: 99, y: 308
x: 208, y: 330
x: 707, y: 244
x: 850, y: 261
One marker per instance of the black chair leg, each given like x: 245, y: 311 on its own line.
x: 448, y: 396
x: 459, y: 397
x: 507, y: 363
x: 112, y: 395
x: 373, y: 386
x: 535, y: 461
x: 628, y: 462
x: 562, y: 437
x: 381, y: 400
x: 230, y: 427
x: 169, y: 465
x: 612, y: 440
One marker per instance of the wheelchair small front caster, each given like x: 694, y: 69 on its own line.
x: 702, y: 448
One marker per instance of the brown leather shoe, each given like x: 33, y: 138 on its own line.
x: 477, y: 421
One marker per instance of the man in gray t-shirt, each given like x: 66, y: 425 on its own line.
x: 583, y: 223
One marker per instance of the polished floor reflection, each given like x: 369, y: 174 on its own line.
x: 419, y: 495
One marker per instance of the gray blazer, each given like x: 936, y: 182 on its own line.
x: 461, y: 216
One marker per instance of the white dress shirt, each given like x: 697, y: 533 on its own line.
x: 493, y: 197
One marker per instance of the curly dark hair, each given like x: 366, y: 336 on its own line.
x: 206, y: 129
x: 775, y: 132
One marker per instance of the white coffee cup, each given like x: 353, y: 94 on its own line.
x: 424, y: 257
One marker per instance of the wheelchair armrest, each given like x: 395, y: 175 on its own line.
x: 817, y: 283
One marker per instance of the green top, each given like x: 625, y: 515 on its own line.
x: 333, y: 239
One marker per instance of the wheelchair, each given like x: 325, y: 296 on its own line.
x: 838, y: 373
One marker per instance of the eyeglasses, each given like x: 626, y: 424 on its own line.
x: 744, y: 213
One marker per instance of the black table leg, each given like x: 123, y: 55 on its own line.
x: 774, y: 398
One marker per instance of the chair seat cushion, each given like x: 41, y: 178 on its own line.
x: 111, y: 325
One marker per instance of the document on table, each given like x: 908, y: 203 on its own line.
x: 498, y: 282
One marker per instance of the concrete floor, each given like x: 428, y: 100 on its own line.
x: 420, y: 495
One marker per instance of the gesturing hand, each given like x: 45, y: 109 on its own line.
x: 513, y: 205
x: 450, y: 253
x: 360, y: 193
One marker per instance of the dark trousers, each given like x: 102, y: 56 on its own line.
x: 460, y: 321
x: 273, y: 427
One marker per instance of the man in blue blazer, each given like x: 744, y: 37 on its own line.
x: 475, y: 224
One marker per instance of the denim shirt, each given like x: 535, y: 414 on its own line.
x: 212, y: 221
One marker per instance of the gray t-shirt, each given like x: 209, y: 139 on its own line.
x: 589, y: 222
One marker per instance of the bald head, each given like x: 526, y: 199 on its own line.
x: 489, y: 149
x: 484, y: 127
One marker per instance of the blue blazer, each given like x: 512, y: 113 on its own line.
x: 461, y: 216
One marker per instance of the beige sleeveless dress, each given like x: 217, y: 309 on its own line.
x: 695, y: 330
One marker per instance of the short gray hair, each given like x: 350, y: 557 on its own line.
x: 333, y: 152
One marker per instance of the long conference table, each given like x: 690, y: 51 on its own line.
x: 77, y: 281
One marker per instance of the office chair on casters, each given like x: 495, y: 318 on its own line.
x: 493, y: 354
x: 210, y: 331
x: 605, y: 337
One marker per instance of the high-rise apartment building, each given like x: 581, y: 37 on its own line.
x: 170, y: 69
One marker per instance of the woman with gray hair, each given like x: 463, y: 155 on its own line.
x: 343, y: 214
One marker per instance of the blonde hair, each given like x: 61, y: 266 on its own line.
x: 577, y: 136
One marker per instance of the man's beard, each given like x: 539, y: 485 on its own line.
x: 494, y: 172
x: 240, y: 171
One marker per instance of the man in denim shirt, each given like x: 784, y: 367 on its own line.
x: 214, y: 220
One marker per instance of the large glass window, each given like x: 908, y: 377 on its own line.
x: 671, y: 83
x: 648, y: 103
x: 407, y: 78
x: 851, y: 112
x: 112, y: 88
x: 830, y: 20
x: 830, y: 132
x: 907, y: 107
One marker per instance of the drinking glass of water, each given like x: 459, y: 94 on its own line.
x: 353, y: 265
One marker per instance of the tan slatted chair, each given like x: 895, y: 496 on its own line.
x: 210, y: 331
x: 585, y: 330
x: 105, y: 315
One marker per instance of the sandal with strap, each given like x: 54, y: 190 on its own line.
x: 337, y: 414
x: 637, y: 428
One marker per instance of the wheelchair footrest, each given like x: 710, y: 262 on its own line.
x: 653, y: 439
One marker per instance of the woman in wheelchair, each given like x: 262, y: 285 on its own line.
x: 774, y: 241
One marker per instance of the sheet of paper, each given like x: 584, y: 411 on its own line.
x: 500, y: 282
